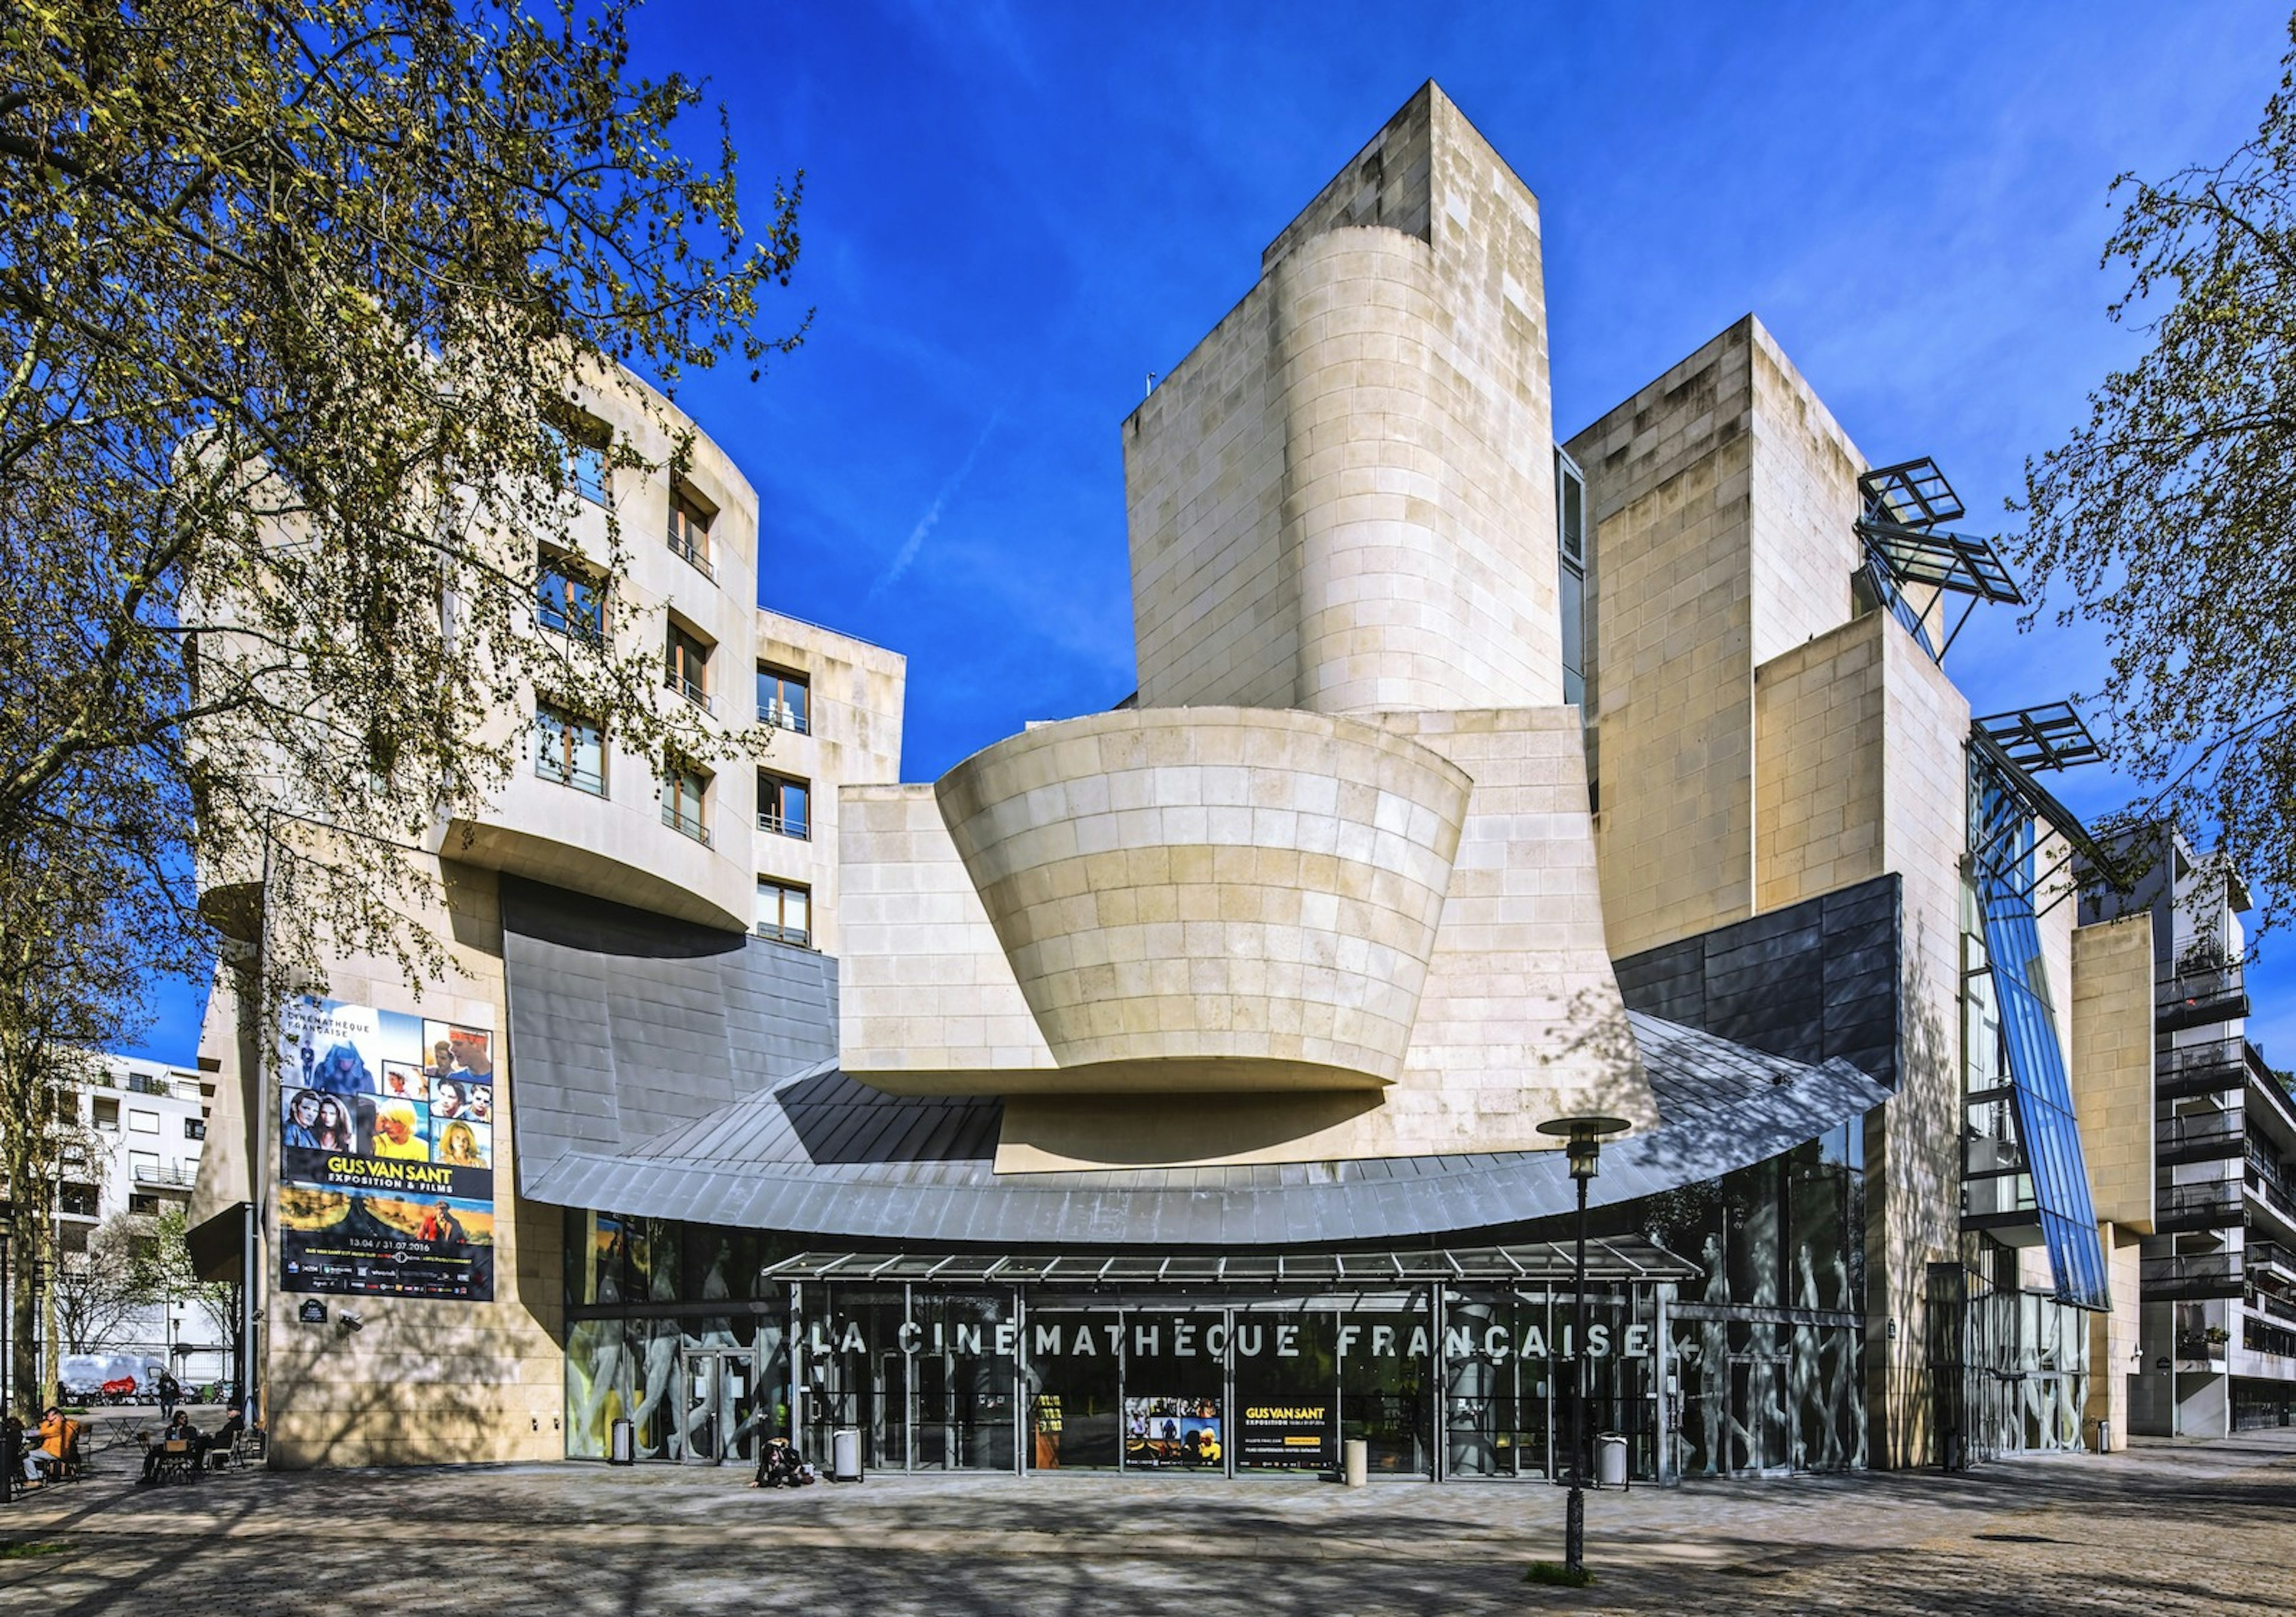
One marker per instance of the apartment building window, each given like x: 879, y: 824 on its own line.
x: 689, y: 531
x: 77, y: 1201
x: 568, y: 601
x: 686, y: 667
x: 144, y: 1165
x: 784, y: 700
x: 107, y: 1114
x: 1570, y: 529
x: 569, y: 749
x: 784, y: 805
x: 684, y: 791
x: 583, y: 445
x: 785, y: 912
x: 142, y: 1122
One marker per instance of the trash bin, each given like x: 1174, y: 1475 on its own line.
x: 2104, y: 1437
x: 845, y: 1455
x: 1358, y: 1468
x: 622, y: 1444
x: 1609, y: 1459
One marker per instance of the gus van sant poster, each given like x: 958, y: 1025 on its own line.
x: 386, y: 1153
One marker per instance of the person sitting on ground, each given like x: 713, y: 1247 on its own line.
x: 780, y: 1465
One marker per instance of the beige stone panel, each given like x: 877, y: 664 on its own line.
x: 1803, y: 545
x: 2113, y: 1065
x: 424, y: 1381
x: 1520, y: 1019
x: 1158, y: 861
x: 2115, y: 1333
x: 856, y: 692
x: 1913, y: 1144
x: 1329, y: 501
x: 926, y: 1000
x: 1820, y: 742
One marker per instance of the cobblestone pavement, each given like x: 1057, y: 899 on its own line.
x: 2165, y: 1528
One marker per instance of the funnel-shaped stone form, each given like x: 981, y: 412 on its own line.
x: 1209, y: 898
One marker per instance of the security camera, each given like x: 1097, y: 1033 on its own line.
x: 350, y: 1321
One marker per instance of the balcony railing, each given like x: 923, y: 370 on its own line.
x: 799, y: 935
x: 2199, y: 1136
x: 2215, y: 1068
x: 139, y: 1084
x: 2278, y: 1308
x: 2261, y: 1255
x: 169, y: 1174
x: 2194, y: 1274
x: 2271, y: 1189
x: 684, y: 825
x: 2215, y: 994
x: 781, y: 716
x: 692, y: 692
x: 693, y: 556
x: 784, y: 825
x: 2213, y: 1205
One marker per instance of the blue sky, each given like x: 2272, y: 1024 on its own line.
x: 1014, y: 213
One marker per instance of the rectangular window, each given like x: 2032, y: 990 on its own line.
x: 142, y: 1122
x: 569, y: 750
x: 141, y: 1201
x: 686, y: 667
x: 684, y: 790
x: 689, y: 532
x: 144, y: 1164
x: 1570, y: 529
x: 583, y: 446
x: 784, y: 805
x: 784, y: 700
x: 567, y: 600
x: 195, y: 1128
x: 107, y: 1115
x: 785, y: 912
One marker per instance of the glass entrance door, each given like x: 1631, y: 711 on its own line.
x: 718, y: 1410
x: 1761, y: 1422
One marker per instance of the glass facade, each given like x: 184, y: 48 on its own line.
x: 2010, y: 1368
x: 688, y: 1332
x: 2022, y: 1160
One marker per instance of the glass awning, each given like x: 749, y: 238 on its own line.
x: 1609, y: 1259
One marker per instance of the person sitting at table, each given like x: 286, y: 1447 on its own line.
x: 226, y: 1435
x: 178, y: 1430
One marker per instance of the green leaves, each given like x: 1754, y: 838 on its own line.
x: 2168, y: 519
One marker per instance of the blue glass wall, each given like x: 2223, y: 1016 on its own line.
x: 2001, y: 833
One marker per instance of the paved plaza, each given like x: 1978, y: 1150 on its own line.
x: 2183, y: 1527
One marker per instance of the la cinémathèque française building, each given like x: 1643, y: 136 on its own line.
x: 1161, y: 1088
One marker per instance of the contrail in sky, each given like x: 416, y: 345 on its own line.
x: 925, y: 524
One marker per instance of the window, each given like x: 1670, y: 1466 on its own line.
x: 77, y: 1201
x: 684, y: 789
x: 195, y: 1128
x: 569, y: 750
x: 785, y: 912
x: 784, y: 700
x: 686, y: 667
x: 143, y: 1201
x: 568, y: 601
x: 784, y: 805
x: 1570, y: 527
x: 583, y: 445
x: 144, y: 1165
x: 689, y: 531
x: 107, y: 1114
x: 142, y: 1122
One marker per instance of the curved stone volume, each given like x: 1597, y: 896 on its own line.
x: 1212, y: 898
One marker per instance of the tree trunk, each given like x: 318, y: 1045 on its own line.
x: 30, y: 1217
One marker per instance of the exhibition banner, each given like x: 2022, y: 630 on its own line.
x: 386, y: 1153
x: 1288, y: 1437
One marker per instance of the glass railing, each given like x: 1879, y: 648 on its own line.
x: 2213, y: 1204
x: 799, y: 935
x: 2204, y: 1069
x: 2197, y: 1133
x: 783, y: 715
x: 692, y: 692
x: 2206, y: 995
x: 2193, y: 1271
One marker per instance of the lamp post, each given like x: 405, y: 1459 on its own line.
x: 1583, y: 1138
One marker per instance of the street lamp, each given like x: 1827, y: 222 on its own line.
x: 1584, y: 1137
